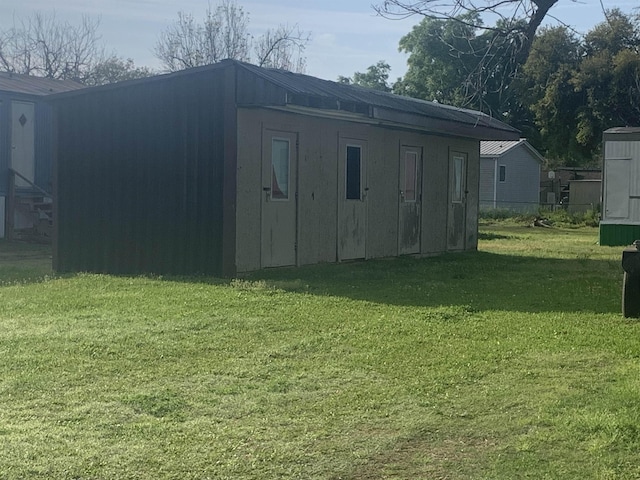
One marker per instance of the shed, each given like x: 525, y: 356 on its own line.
x: 620, y: 223
x: 25, y: 150
x: 509, y: 175
x: 584, y: 195
x: 231, y: 168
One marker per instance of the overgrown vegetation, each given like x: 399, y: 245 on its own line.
x: 557, y: 218
x: 511, y: 362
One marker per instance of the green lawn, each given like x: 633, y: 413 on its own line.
x: 511, y: 362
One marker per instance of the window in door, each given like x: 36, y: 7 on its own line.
x: 354, y: 157
x: 279, y: 169
x: 410, y: 176
x: 458, y: 179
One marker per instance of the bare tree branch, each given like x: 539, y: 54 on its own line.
x: 282, y: 48
x: 43, y: 46
x: 224, y: 33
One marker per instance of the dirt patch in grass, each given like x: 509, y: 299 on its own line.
x: 426, y: 455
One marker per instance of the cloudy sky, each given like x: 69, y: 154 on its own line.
x: 346, y: 35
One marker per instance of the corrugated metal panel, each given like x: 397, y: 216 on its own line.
x: 5, y: 129
x: 496, y: 148
x: 43, y: 146
x: 618, y: 235
x: 139, y: 182
x: 30, y: 85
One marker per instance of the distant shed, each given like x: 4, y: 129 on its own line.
x: 231, y: 168
x: 620, y: 224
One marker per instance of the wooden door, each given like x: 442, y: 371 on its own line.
x: 279, y: 199
x: 23, y: 141
x: 409, y: 214
x: 352, y: 199
x: 457, y: 215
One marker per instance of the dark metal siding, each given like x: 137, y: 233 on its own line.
x: 139, y: 181
x: 43, y: 146
x: 5, y: 122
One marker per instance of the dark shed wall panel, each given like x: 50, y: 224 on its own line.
x: 43, y: 146
x: 140, y: 177
x: 5, y: 122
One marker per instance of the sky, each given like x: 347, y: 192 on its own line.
x: 346, y: 35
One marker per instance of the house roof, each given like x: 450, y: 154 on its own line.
x: 280, y: 89
x: 30, y: 85
x: 499, y: 148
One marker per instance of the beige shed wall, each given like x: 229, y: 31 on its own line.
x: 317, y: 189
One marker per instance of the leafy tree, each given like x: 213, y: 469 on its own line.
x: 438, y: 61
x: 453, y: 62
x: 576, y: 89
x: 609, y: 77
x: 546, y: 91
x: 376, y: 77
x: 224, y: 33
x: 509, y: 38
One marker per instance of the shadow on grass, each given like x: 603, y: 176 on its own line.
x: 22, y: 262
x: 477, y: 280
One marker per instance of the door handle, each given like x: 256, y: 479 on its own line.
x: 267, y: 191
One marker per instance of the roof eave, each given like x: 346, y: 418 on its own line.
x: 478, y: 130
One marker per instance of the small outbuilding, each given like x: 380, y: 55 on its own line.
x: 509, y: 175
x: 620, y: 223
x: 584, y: 195
x: 231, y: 168
x: 25, y: 150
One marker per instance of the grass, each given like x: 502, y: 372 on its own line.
x: 512, y: 362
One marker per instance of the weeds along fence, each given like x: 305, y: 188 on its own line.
x: 589, y: 217
x: 523, y: 207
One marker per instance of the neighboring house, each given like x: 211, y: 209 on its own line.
x: 509, y: 175
x: 620, y: 224
x: 25, y: 150
x: 231, y: 168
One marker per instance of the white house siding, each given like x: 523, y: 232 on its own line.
x: 487, y: 183
x: 520, y: 190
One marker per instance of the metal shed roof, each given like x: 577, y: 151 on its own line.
x: 497, y: 148
x: 30, y: 85
x: 379, y: 105
x: 267, y: 87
